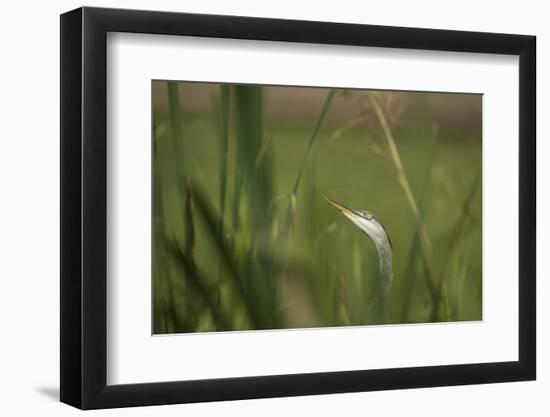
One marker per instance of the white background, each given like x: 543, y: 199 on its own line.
x: 29, y: 176
x: 134, y: 356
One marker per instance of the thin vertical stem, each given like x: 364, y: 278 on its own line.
x: 405, y: 185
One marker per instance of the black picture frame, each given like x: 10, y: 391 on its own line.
x: 84, y: 207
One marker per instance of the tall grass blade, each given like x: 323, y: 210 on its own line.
x: 456, y: 233
x: 167, y: 208
x: 412, y: 257
x: 238, y: 280
x: 403, y: 181
x: 176, y: 130
x: 256, y: 163
x: 188, y: 264
x: 291, y: 210
x: 318, y: 123
x: 223, y: 130
x: 249, y: 101
x: 223, y: 136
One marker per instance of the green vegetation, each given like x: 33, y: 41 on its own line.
x: 243, y: 239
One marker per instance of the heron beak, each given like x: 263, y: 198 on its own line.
x: 348, y: 212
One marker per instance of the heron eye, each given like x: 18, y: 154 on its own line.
x: 369, y: 216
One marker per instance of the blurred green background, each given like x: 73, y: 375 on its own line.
x: 243, y: 238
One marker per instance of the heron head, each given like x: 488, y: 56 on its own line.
x: 364, y: 220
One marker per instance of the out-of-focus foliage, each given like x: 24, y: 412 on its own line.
x: 243, y: 239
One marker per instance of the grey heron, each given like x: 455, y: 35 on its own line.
x: 375, y: 230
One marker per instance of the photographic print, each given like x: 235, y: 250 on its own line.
x: 279, y: 207
x: 323, y: 217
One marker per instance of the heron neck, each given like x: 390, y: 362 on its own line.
x: 385, y: 262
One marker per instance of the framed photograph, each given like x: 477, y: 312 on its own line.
x: 258, y: 208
